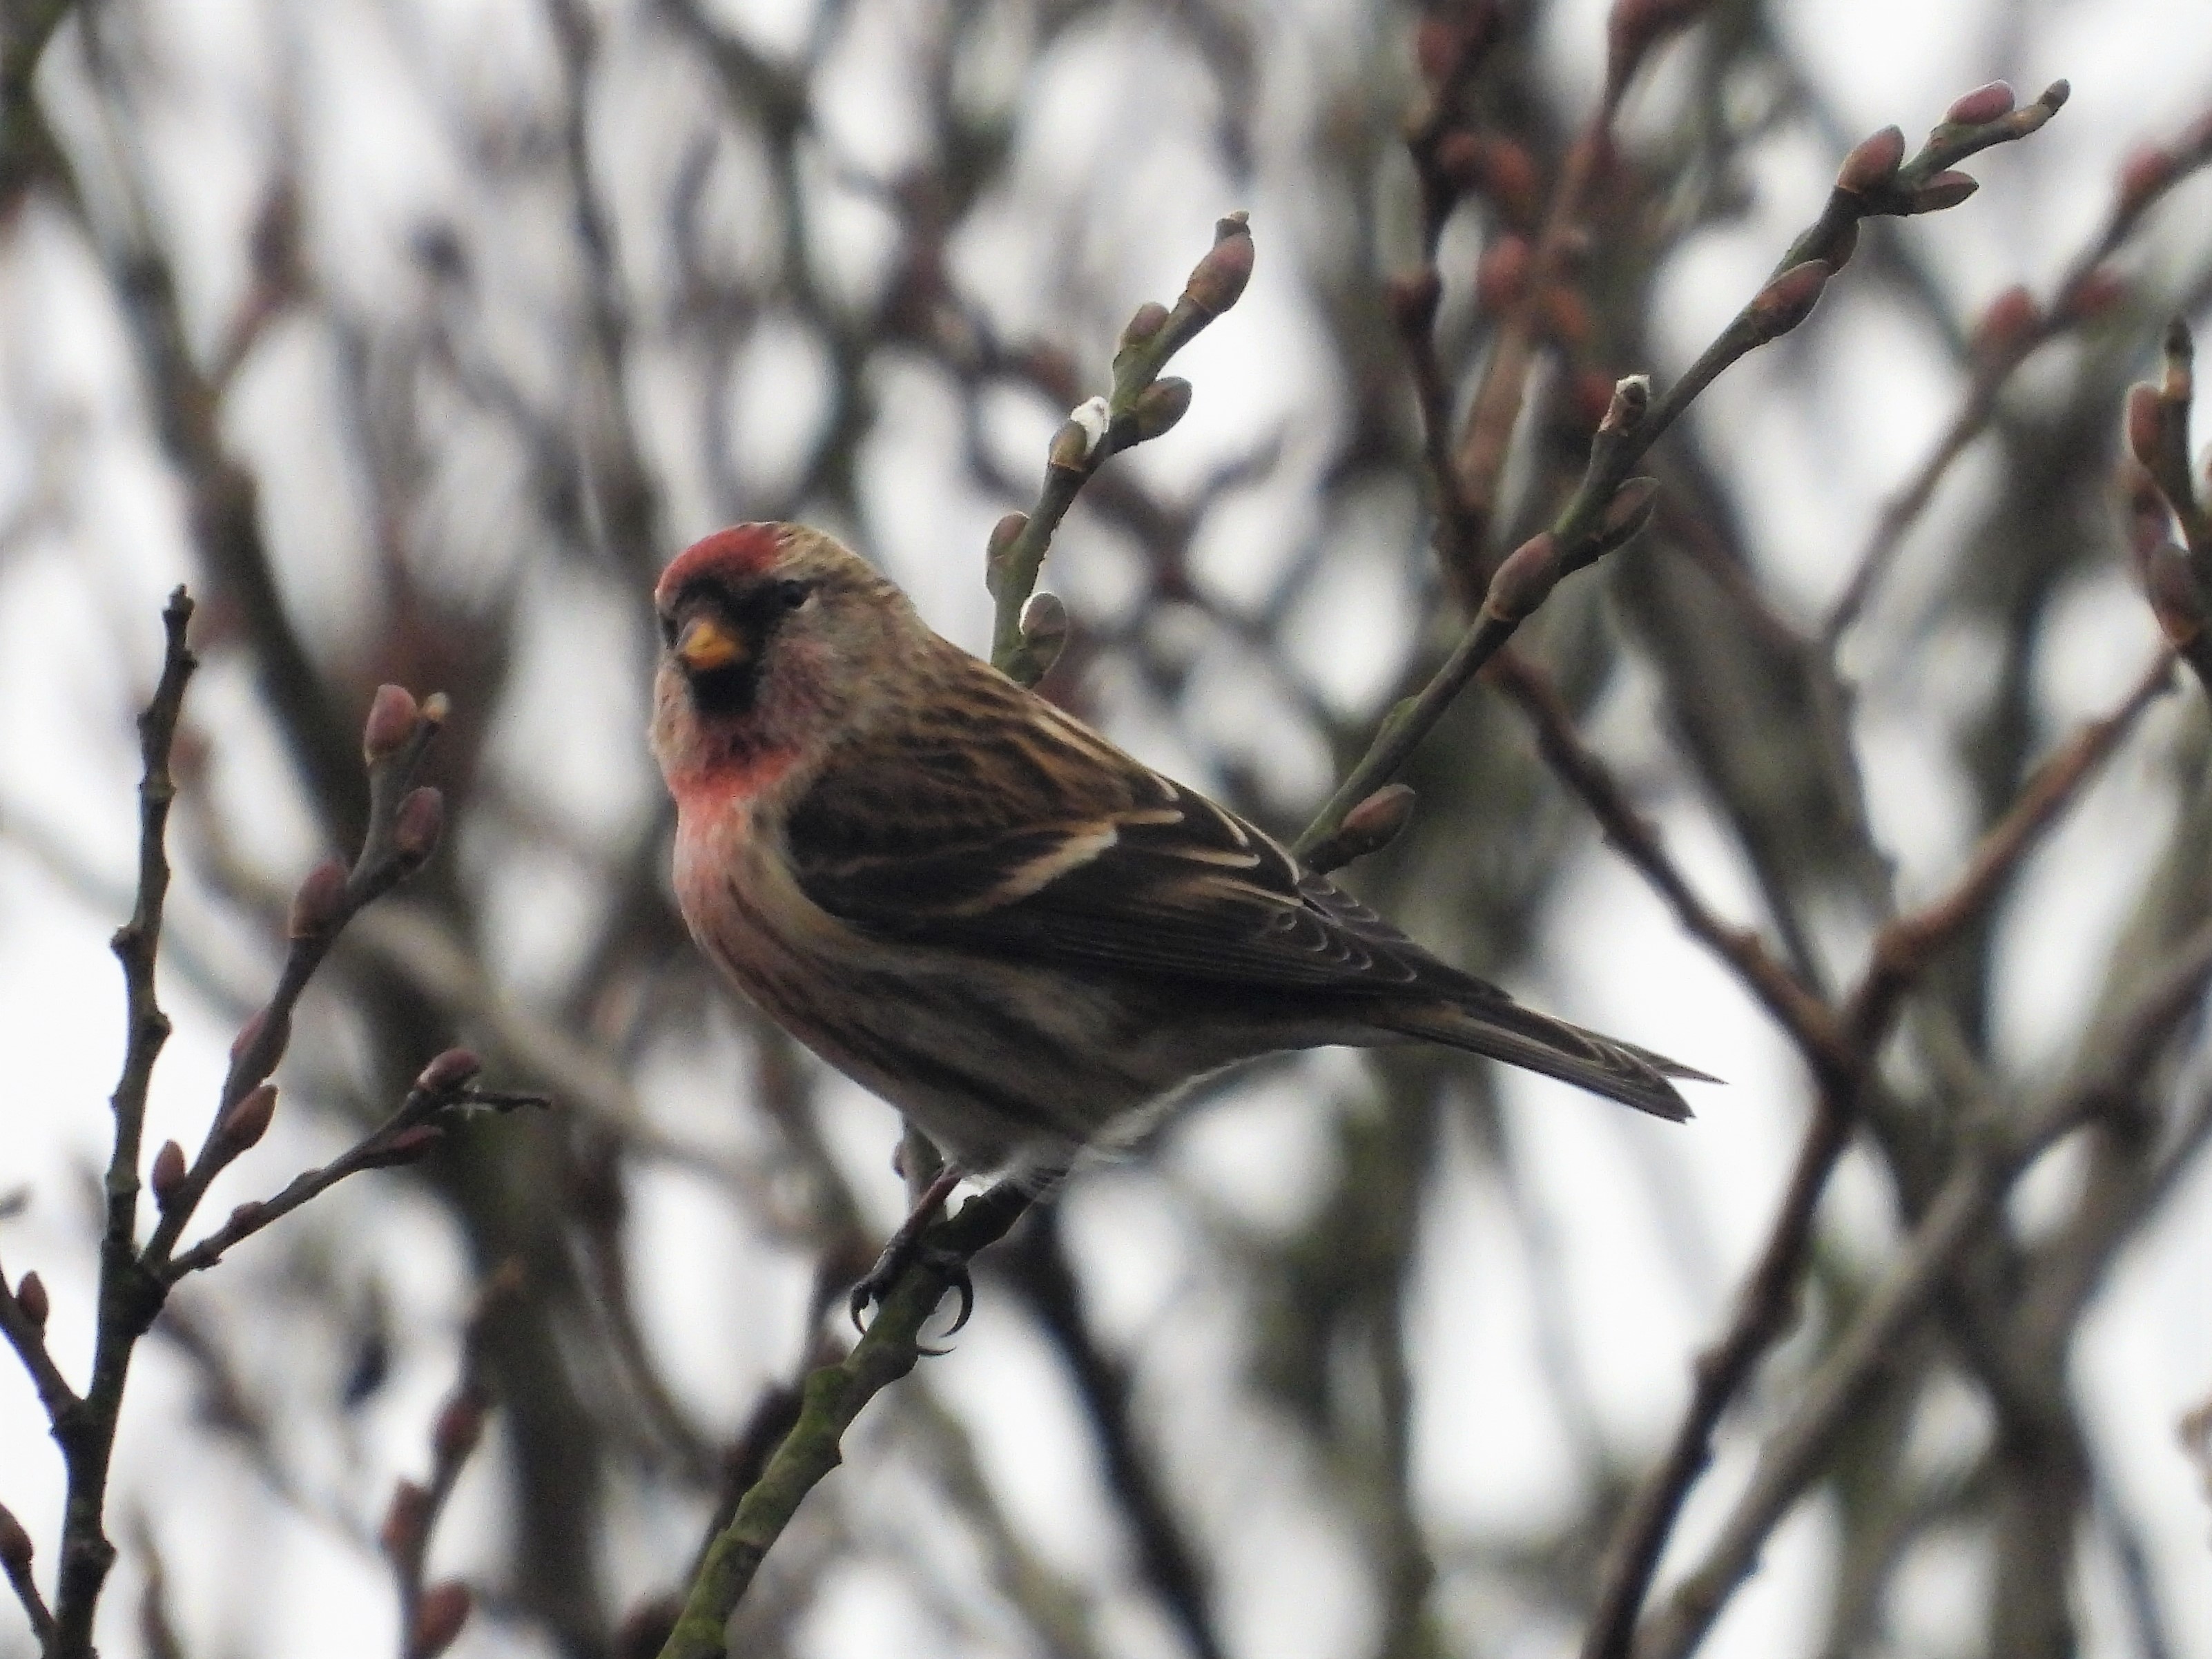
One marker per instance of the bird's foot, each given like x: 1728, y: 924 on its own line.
x: 907, y: 1249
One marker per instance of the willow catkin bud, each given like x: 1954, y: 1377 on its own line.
x: 460, y: 1425
x: 1945, y: 190
x: 1148, y: 319
x: 1984, y: 104
x: 404, y: 1519
x: 2008, y: 324
x: 30, y: 1297
x: 1872, y: 162
x: 244, y: 1124
x: 438, y: 1617
x: 1160, y: 405
x: 320, y: 904
x: 1217, y: 280
x: 1525, y: 578
x: 16, y: 1550
x: 168, y: 1176
x: 393, y: 717
x: 421, y: 820
x: 447, y: 1072
x: 2146, y: 425
x: 1044, y: 630
x: 1788, y: 300
x: 1376, y: 821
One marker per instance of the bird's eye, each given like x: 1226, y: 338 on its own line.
x: 790, y: 595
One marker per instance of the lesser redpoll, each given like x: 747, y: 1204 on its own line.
x: 983, y: 911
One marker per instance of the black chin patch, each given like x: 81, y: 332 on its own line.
x: 724, y: 691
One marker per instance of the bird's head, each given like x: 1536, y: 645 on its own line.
x: 773, y: 636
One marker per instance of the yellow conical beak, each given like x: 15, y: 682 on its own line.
x: 705, y: 646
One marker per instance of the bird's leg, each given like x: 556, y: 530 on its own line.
x: 905, y: 1247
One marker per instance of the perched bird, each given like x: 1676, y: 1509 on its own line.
x: 983, y: 911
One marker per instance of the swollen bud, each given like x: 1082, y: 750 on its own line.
x: 31, y: 1298
x: 438, y: 1617
x: 1945, y: 190
x: 168, y: 1177
x: 447, y: 1072
x: 392, y: 718
x: 1071, y: 447
x: 1788, y: 300
x: 404, y: 1519
x: 1044, y: 630
x: 2100, y: 291
x: 2146, y: 412
x: 1376, y: 821
x: 404, y: 1147
x: 2008, y: 324
x: 422, y: 817
x: 460, y: 1425
x: 1525, y: 579
x: 320, y: 905
x: 1004, y: 535
x: 15, y: 1547
x: 1872, y: 162
x: 1626, y: 409
x: 1160, y: 405
x: 1980, y: 107
x: 1630, y: 510
x: 1217, y: 280
x: 244, y: 1124
x: 2148, y: 169
x: 1150, y: 317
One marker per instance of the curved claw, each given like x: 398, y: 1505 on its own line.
x: 878, y: 1285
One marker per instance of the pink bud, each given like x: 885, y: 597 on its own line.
x: 422, y: 817
x: 2008, y: 324
x: 31, y: 1298
x: 404, y: 1148
x: 1629, y: 511
x: 1872, y: 162
x: 1525, y: 579
x: 1981, y: 107
x: 244, y: 1124
x: 460, y: 1427
x: 1150, y: 317
x: 438, y: 1617
x: 392, y: 718
x: 404, y: 1519
x: 1945, y: 190
x: 2147, y: 170
x: 2146, y: 418
x: 15, y: 1547
x: 320, y: 904
x: 168, y: 1176
x: 447, y: 1072
x: 1788, y: 300
x: 1160, y: 405
x: 2097, y: 293
x: 1218, y: 279
x: 1377, y: 821
x: 246, y: 1215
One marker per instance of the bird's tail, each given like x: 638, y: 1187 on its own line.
x: 1521, y: 1037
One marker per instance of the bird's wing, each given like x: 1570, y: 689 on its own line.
x: 1018, y: 832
